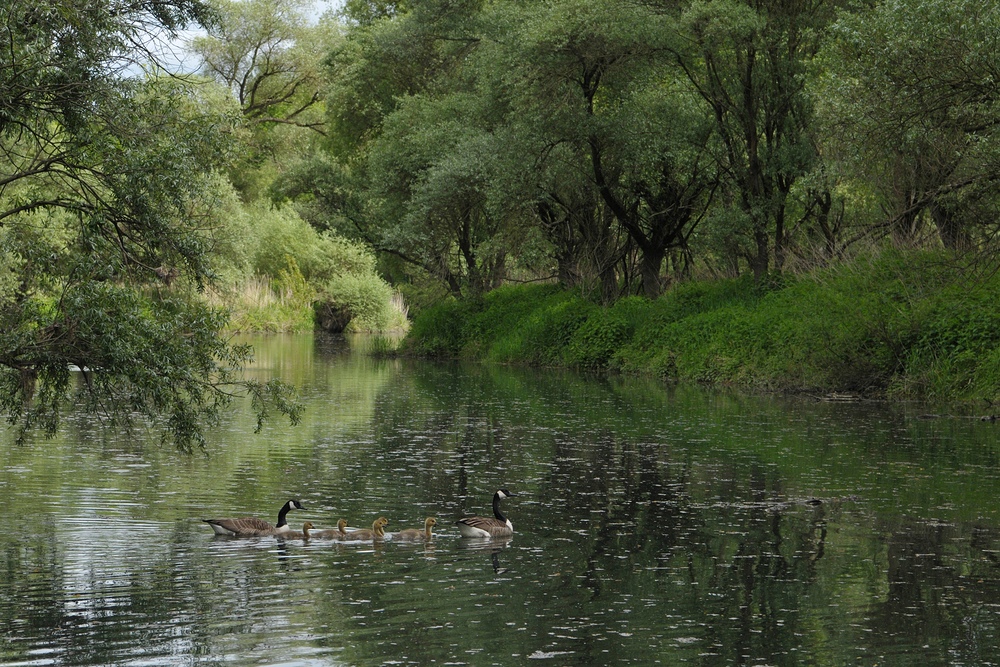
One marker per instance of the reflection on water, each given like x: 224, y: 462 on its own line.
x: 653, y: 525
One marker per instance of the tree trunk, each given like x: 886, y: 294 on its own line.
x: 761, y: 259
x: 950, y: 230
x: 650, y: 266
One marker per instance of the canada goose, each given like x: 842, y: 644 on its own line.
x: 416, y: 533
x: 339, y: 534
x: 481, y: 526
x: 377, y: 531
x: 249, y: 526
x: 295, y: 535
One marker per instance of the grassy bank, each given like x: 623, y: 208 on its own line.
x: 902, y: 325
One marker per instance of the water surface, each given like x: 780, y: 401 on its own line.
x: 654, y: 525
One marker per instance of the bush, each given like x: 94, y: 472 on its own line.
x: 366, y: 296
x: 439, y: 330
x: 275, y: 246
x: 543, y: 334
x: 606, y: 331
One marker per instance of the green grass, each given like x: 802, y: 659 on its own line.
x: 908, y: 325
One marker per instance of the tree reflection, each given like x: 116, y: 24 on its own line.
x: 655, y: 525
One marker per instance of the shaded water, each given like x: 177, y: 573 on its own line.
x: 653, y: 526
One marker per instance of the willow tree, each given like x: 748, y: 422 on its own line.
x: 268, y: 55
x: 105, y: 224
x: 410, y: 156
x: 598, y: 77
x: 913, y: 86
x: 748, y: 60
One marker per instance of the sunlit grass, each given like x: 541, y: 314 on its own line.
x: 254, y: 305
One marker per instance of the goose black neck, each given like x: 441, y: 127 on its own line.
x: 496, y: 508
x: 281, y: 515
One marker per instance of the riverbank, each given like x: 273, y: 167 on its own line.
x: 903, y: 325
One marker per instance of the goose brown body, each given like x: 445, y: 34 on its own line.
x: 377, y: 531
x: 250, y: 526
x: 417, y: 533
x: 296, y: 535
x: 339, y: 534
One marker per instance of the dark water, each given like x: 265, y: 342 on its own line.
x: 653, y: 526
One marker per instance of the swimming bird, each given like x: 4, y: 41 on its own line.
x: 376, y: 533
x: 416, y: 533
x: 481, y: 526
x: 249, y: 526
x: 339, y: 534
x: 295, y: 535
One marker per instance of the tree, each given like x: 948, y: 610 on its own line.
x: 598, y: 90
x: 104, y: 211
x: 913, y: 84
x: 748, y: 61
x: 367, y: 12
x: 431, y: 171
x: 268, y: 55
x: 412, y: 146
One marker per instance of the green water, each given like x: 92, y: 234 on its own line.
x: 653, y: 525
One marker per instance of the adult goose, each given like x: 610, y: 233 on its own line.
x: 482, y: 526
x: 339, y: 534
x: 416, y: 533
x: 376, y: 533
x: 249, y: 526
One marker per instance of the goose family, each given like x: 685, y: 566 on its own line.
x: 484, y: 526
x: 416, y: 533
x: 249, y: 526
x: 497, y: 526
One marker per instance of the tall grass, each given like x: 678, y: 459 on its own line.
x: 255, y: 305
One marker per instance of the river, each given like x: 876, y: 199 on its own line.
x: 653, y: 525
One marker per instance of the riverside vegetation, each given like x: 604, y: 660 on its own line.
x: 304, y: 169
x: 902, y: 325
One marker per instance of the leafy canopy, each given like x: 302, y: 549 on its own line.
x: 105, y: 225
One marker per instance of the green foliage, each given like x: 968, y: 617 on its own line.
x: 366, y: 297
x: 107, y: 212
x: 292, y: 285
x: 913, y: 325
x: 502, y: 313
x: 439, y: 329
x: 605, y: 332
x: 903, y: 96
x: 278, y: 266
x: 546, y: 333
x: 266, y: 54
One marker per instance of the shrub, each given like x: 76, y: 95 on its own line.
x: 548, y: 333
x: 439, y: 330
x: 366, y: 296
x: 605, y: 332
